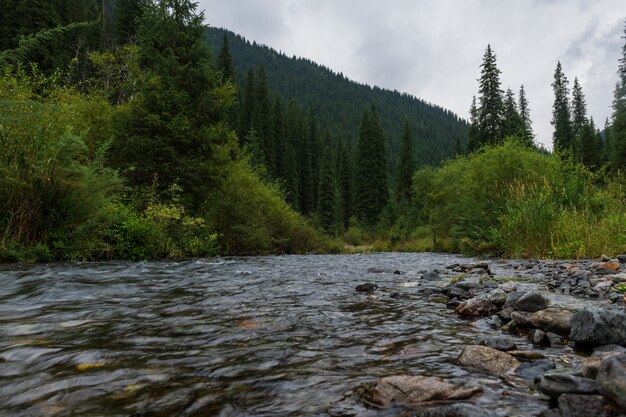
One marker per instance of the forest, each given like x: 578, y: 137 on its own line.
x: 130, y: 130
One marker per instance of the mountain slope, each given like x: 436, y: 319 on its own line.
x: 338, y: 102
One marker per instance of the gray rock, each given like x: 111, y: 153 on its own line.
x: 611, y: 379
x: 475, y: 307
x: 537, y: 337
x: 457, y: 292
x: 407, y: 389
x: 498, y: 343
x: 530, y: 355
x: 496, y: 297
x: 618, y: 278
x: 598, y: 327
x: 554, y: 384
x: 491, y: 322
x: 488, y: 359
x: 553, y: 319
x: 604, y: 258
x: 431, y: 276
x: 508, y: 286
x: 505, y: 313
x: 621, y: 258
x: 554, y: 339
x: 512, y: 299
x: 573, y: 405
x: 457, y: 410
x: 531, y: 302
x: 531, y: 370
x: 523, y: 318
x: 367, y: 287
x: 453, y: 303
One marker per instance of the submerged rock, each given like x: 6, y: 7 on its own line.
x: 457, y: 410
x: 537, y: 337
x: 476, y: 307
x: 497, y: 297
x: 527, y: 354
x: 553, y: 319
x: 531, y: 302
x: 531, y: 370
x: 488, y: 359
x: 598, y: 327
x: 573, y: 405
x: 498, y: 343
x: 367, y: 287
x: 556, y: 383
x: 611, y: 379
x: 407, y: 389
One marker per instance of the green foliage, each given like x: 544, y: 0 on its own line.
x: 563, y: 136
x: 511, y: 200
x: 251, y: 216
x: 406, y: 166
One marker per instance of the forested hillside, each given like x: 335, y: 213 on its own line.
x: 338, y: 103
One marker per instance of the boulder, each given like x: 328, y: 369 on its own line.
x: 497, y: 297
x: 554, y: 384
x: 611, y: 266
x: 431, y: 276
x: 512, y: 298
x: 619, y: 278
x: 531, y: 302
x: 611, y: 379
x: 598, y: 327
x: 537, y: 337
x: 491, y: 322
x: 498, y: 343
x: 523, y: 318
x: 475, y: 307
x: 621, y: 258
x: 531, y: 370
x: 554, y: 339
x: 367, y: 287
x: 573, y: 405
x: 456, y: 292
x: 553, y: 319
x: 411, y: 390
x: 457, y: 410
x: 508, y: 286
x: 487, y: 359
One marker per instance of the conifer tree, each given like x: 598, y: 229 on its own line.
x: 617, y: 153
x: 490, y: 114
x: 225, y: 61
x: 329, y: 209
x: 527, y: 137
x: 371, y: 183
x: 563, y: 136
x: 474, y: 139
x: 345, y: 179
x: 513, y: 123
x: 406, y: 167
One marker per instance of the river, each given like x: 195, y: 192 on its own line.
x: 259, y: 336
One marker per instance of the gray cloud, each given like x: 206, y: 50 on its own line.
x: 433, y: 48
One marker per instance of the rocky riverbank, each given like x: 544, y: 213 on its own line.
x: 520, y: 308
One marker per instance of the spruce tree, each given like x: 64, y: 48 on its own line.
x: 329, y: 209
x: 474, y: 139
x: 527, y: 137
x: 563, y: 136
x: 372, y: 191
x: 345, y: 180
x: 225, y: 61
x: 406, y: 167
x: 513, y: 123
x: 617, y: 153
x: 490, y: 113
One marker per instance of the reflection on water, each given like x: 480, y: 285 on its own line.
x: 266, y: 336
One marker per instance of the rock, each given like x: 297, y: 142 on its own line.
x: 537, y: 337
x: 496, y: 297
x: 457, y: 410
x: 367, y: 287
x: 531, y: 302
x: 491, y: 322
x: 611, y: 266
x: 554, y: 384
x: 572, y: 405
x: 431, y: 276
x: 453, y: 303
x: 488, y: 359
x: 598, y: 327
x: 407, y: 389
x: 604, y: 258
x: 512, y: 299
x: 554, y: 339
x: 523, y: 318
x: 402, y: 296
x: 456, y: 292
x: 397, y: 272
x: 498, y: 343
x: 591, y: 364
x: 611, y: 379
x: 505, y: 313
x: 531, y: 370
x: 508, y: 286
x: 475, y: 307
x: 376, y: 270
x: 619, y: 278
x: 438, y: 298
x: 621, y: 259
x: 527, y: 354
x: 468, y: 283
x: 553, y: 319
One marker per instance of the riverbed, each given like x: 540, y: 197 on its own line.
x: 258, y: 336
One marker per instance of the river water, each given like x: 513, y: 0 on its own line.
x: 260, y: 336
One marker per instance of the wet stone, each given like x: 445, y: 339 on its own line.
x: 367, y: 287
x: 572, y: 405
x: 531, y: 370
x: 527, y: 354
x: 531, y: 302
x: 497, y: 297
x: 457, y: 410
x: 488, y: 359
x: 554, y: 339
x: 491, y: 322
x: 523, y: 318
x: 553, y: 319
x: 431, y: 276
x: 557, y: 383
x: 475, y: 307
x: 598, y: 327
x: 611, y: 379
x: 498, y: 343
x: 537, y: 337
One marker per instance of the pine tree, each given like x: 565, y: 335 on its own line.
x: 372, y: 191
x: 127, y: 15
x: 345, y: 179
x: 474, y: 139
x: 513, y: 124
x: 527, y: 137
x: 225, y: 61
x: 406, y: 167
x: 563, y: 136
x: 490, y: 115
x: 617, y: 152
x: 247, y: 106
x: 328, y: 209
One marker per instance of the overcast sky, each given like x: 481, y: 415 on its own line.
x: 433, y: 48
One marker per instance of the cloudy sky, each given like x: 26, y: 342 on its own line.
x: 433, y: 48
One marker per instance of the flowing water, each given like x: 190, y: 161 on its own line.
x: 261, y: 336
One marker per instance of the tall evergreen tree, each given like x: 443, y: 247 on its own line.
x: 527, y: 137
x: 563, y: 136
x: 513, y: 124
x: 329, y: 208
x: 225, y: 61
x: 406, y: 167
x: 372, y: 191
x: 490, y: 101
x: 345, y: 183
x: 473, y: 134
x: 617, y: 152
